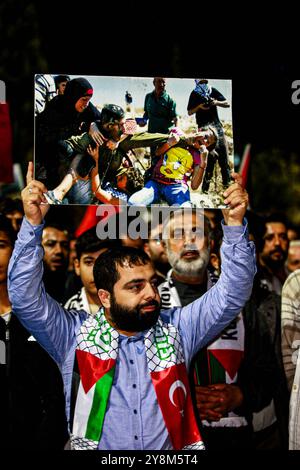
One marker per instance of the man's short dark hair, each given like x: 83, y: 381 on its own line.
x: 275, y: 217
x: 111, y: 113
x: 58, y: 79
x: 58, y: 226
x: 106, y: 272
x: 88, y: 242
x: 9, y: 205
x: 7, y: 228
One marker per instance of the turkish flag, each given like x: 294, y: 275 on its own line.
x: 174, y: 398
x: 6, y: 165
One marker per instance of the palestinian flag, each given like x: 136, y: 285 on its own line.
x: 97, y: 353
x: 96, y: 377
x: 221, y: 360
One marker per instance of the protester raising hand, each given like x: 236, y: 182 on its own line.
x: 35, y: 204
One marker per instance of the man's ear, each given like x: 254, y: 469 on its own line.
x: 77, y: 266
x: 214, y: 261
x: 211, y: 244
x: 104, y: 297
x: 146, y: 249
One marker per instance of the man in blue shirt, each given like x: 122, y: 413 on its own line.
x: 132, y: 358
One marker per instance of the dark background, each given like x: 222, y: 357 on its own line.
x: 257, y: 49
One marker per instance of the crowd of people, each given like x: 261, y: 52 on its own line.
x: 81, y: 150
x: 183, y: 337
x: 91, y: 345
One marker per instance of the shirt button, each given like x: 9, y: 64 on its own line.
x: 31, y: 233
x: 136, y: 438
x: 135, y: 412
x: 131, y: 361
x: 134, y: 386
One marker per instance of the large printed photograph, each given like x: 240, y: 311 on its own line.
x: 133, y: 140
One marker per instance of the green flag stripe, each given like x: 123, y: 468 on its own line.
x: 96, y: 417
x: 218, y: 374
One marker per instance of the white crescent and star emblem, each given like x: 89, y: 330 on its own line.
x: 176, y: 384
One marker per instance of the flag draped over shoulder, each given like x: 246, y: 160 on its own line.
x: 97, y: 353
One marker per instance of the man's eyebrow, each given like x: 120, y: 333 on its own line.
x: 134, y: 281
x: 4, y: 240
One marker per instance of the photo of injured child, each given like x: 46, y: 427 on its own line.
x: 94, y: 145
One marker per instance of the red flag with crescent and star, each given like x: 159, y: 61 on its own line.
x: 174, y: 398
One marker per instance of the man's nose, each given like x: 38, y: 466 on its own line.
x: 189, y: 236
x: 58, y: 248
x: 277, y: 239
x: 150, y: 292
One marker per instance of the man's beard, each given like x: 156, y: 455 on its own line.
x: 196, y: 267
x: 272, y: 263
x: 132, y: 319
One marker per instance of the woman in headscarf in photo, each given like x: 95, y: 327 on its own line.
x: 65, y: 116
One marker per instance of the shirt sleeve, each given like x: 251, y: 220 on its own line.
x: 196, y: 156
x: 193, y: 101
x: 173, y: 113
x: 45, y: 90
x: 202, y: 320
x: 52, y: 326
x: 215, y: 94
x: 80, y: 143
x: 290, y: 324
x: 146, y: 115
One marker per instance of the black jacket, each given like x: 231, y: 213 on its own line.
x: 32, y: 405
x: 259, y: 384
x: 58, y: 122
x: 261, y: 375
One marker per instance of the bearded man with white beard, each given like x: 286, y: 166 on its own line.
x: 227, y: 382
x: 188, y: 251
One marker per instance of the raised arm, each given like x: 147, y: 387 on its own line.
x: 201, y: 321
x: 199, y: 169
x: 173, y: 139
x: 51, y: 325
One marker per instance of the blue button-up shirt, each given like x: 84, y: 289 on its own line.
x: 133, y: 417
